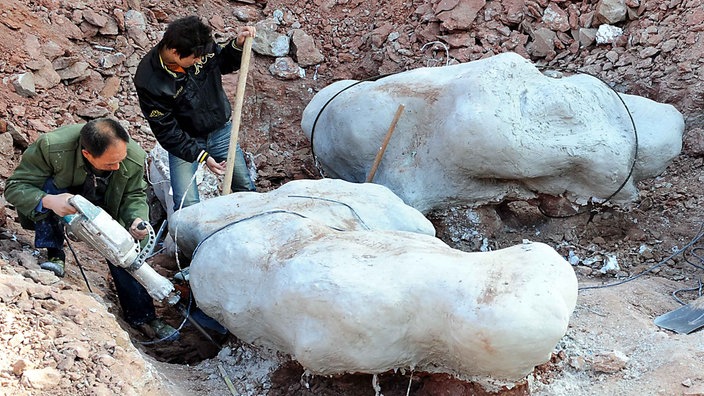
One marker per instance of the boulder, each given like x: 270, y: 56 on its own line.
x: 491, y: 130
x: 337, y: 204
x: 370, y: 301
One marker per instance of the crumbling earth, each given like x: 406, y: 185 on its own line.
x: 59, y: 338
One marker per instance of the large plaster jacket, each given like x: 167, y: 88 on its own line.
x: 182, y: 106
x: 58, y: 155
x: 492, y: 130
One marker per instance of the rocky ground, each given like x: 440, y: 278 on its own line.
x: 59, y: 338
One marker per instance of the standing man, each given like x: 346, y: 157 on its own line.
x: 179, y: 85
x: 99, y: 161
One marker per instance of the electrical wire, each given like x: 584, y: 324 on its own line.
x: 354, y: 212
x: 268, y: 212
x: 693, y: 253
x: 694, y: 240
x: 147, y: 173
x: 180, y: 206
x: 276, y: 211
x: 698, y: 288
x: 78, y: 262
x: 595, y: 207
x: 320, y: 112
x: 178, y: 264
x: 176, y: 331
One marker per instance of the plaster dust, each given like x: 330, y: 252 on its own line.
x: 620, y: 319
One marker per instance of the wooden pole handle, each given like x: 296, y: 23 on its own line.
x: 382, y: 149
x: 237, y: 115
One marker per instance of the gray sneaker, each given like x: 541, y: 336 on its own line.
x: 55, y: 265
x: 163, y: 331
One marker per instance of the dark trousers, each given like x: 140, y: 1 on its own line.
x: 137, y: 305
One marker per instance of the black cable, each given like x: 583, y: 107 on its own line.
x: 701, y: 260
x: 312, y: 130
x: 276, y: 211
x: 594, y: 208
x: 696, y: 239
x: 188, y: 312
x: 593, y: 211
x: 268, y: 212
x: 698, y: 288
x: 354, y: 212
x: 85, y: 278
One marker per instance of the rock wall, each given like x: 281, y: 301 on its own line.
x: 46, y: 348
x: 81, y: 57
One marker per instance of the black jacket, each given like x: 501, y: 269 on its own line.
x: 181, y: 106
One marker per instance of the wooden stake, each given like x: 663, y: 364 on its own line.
x: 227, y: 379
x: 382, y: 149
x: 237, y: 116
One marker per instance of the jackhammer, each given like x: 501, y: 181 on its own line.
x: 91, y: 224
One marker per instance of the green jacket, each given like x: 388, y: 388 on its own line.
x: 58, y: 155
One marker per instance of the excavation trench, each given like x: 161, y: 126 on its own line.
x: 196, y: 341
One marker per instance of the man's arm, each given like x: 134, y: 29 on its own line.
x: 23, y: 188
x: 159, y: 114
x: 170, y: 135
x: 230, y: 54
x: 133, y: 204
x: 134, y: 201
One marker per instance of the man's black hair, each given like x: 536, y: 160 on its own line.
x: 99, y: 134
x: 188, y: 36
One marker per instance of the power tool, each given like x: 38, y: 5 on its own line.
x: 94, y: 226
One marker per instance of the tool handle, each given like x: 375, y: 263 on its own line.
x: 387, y: 138
x: 237, y: 116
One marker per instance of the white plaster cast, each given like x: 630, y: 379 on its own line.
x: 490, y: 130
x: 333, y: 202
x: 371, y: 301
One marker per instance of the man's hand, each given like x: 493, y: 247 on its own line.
x: 136, y: 232
x: 59, y: 204
x: 244, y: 32
x: 215, y: 167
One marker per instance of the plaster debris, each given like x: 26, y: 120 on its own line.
x: 607, y: 34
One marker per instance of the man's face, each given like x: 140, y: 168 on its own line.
x: 111, y: 158
x: 187, y: 61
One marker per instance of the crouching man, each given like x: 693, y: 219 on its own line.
x: 99, y: 161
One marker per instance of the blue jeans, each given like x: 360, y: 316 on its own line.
x: 217, y: 144
x: 136, y: 303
